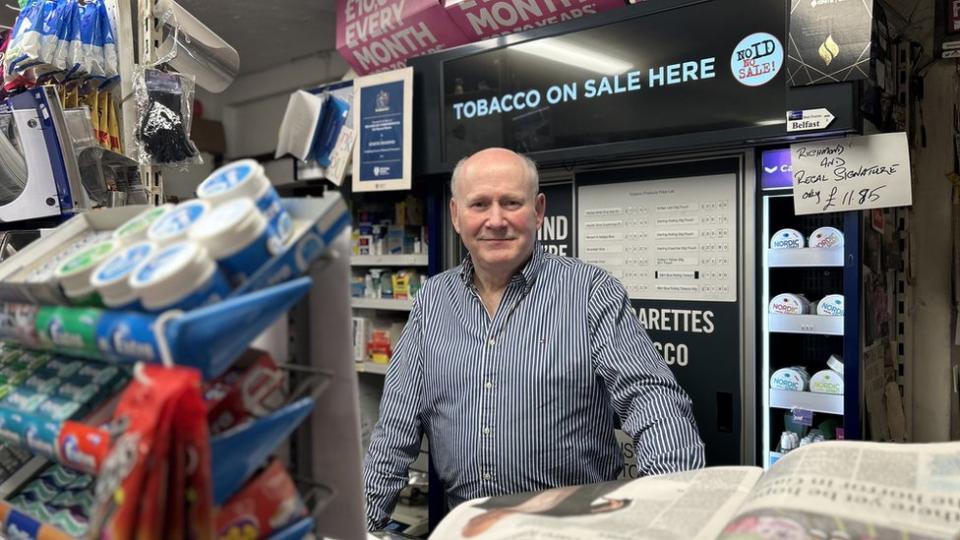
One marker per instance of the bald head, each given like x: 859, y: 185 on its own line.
x: 498, y: 158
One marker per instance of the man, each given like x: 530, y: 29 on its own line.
x: 518, y: 365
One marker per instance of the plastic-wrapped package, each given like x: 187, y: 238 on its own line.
x: 110, y: 58
x: 50, y: 31
x: 65, y: 34
x: 93, y: 39
x: 334, y: 117
x: 164, y: 114
x: 82, y: 38
x: 36, y: 33
x: 73, y: 37
x: 21, y: 40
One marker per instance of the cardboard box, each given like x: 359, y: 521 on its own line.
x: 361, y: 335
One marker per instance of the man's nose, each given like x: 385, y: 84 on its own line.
x: 495, y: 218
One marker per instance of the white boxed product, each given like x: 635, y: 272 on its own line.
x: 832, y: 305
x: 789, y: 304
x: 826, y: 237
x: 791, y: 378
x: 361, y: 335
x: 786, y: 239
x: 826, y: 381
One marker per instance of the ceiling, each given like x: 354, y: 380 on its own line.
x: 265, y: 32
x: 269, y: 32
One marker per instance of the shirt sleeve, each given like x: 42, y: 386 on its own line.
x: 652, y: 407
x: 395, y: 441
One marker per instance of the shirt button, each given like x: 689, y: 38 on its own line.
x: 488, y: 385
x: 486, y: 430
x: 487, y: 476
x: 492, y: 342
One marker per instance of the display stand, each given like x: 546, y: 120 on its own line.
x: 325, y: 454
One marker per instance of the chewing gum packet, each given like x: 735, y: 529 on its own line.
x: 161, y: 444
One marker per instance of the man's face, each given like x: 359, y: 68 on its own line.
x: 495, y: 211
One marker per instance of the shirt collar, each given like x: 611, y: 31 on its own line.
x: 528, y: 275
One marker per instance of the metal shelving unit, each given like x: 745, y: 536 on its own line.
x: 419, y: 259
x: 811, y: 401
x: 824, y: 325
x: 805, y: 257
x: 385, y: 304
x: 372, y: 367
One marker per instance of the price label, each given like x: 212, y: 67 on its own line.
x: 802, y: 417
x: 855, y: 173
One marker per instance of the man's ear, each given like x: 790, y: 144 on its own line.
x: 541, y: 206
x: 453, y: 215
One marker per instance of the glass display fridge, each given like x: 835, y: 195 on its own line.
x: 809, y: 312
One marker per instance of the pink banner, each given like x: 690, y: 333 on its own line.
x: 480, y: 19
x: 379, y: 35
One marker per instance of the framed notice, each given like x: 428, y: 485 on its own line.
x: 382, y: 118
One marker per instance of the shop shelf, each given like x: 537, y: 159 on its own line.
x: 827, y: 325
x: 811, y: 401
x: 389, y: 304
x: 372, y: 367
x: 805, y: 257
x: 389, y: 260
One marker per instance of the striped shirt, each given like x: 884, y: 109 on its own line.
x: 529, y: 399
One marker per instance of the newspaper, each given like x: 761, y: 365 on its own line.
x: 832, y: 491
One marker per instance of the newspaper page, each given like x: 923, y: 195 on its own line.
x: 693, y: 505
x: 855, y: 491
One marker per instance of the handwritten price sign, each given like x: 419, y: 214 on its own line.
x: 855, y: 173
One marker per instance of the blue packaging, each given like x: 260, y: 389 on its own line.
x: 112, y: 278
x: 20, y: 525
x: 335, y: 112
x: 181, y: 276
x: 59, y: 408
x: 238, y: 237
x: 174, y: 226
x: 246, y: 179
x: 24, y: 400
x: 128, y: 336
x: 12, y: 428
x: 41, y: 435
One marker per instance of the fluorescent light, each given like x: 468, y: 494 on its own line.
x: 574, y: 55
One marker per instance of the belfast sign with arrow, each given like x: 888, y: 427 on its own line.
x: 808, y: 120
